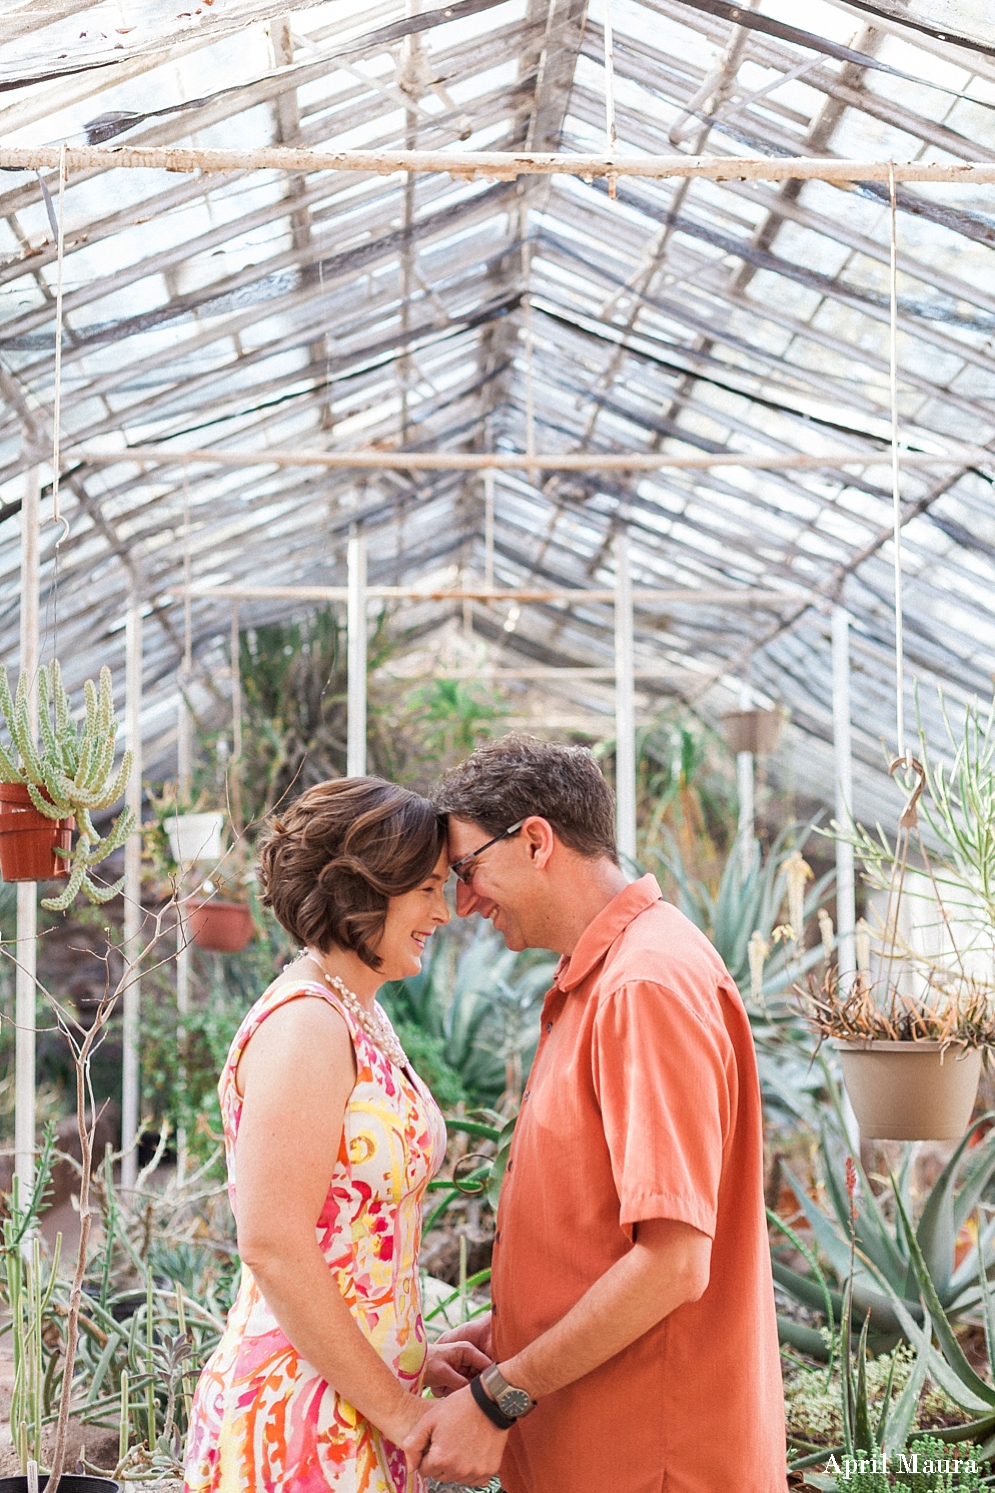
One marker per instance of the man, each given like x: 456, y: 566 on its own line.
x: 633, y: 1326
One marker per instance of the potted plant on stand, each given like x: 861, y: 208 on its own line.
x: 182, y: 847
x: 912, y: 1029
x: 50, y: 787
x: 219, y: 915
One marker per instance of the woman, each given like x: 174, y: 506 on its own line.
x: 331, y: 1140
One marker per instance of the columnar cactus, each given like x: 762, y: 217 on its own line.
x: 70, y: 771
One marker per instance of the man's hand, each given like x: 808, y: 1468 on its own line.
x: 455, y: 1442
x: 451, y: 1365
x: 477, y: 1332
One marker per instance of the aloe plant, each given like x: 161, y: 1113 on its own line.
x: 71, y: 771
x: 886, y: 1285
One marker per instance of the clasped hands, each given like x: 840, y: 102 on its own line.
x: 452, y: 1440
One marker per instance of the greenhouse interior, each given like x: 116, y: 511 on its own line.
x: 381, y: 386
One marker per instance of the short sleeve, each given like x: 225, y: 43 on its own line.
x: 663, y: 1078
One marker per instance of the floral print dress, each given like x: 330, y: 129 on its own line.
x: 263, y: 1419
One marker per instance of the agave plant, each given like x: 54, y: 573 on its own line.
x: 742, y: 913
x: 72, y: 772
x: 886, y: 1287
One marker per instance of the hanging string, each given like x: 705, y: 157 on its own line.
x: 183, y: 763
x: 896, y: 496
x: 57, y: 402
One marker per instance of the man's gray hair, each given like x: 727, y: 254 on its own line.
x: 509, y: 779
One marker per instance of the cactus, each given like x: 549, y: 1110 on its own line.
x: 69, y: 771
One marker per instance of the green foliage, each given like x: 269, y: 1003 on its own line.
x: 294, y: 689
x: 192, y: 1104
x: 748, y: 899
x: 71, y: 772
x: 451, y: 716
x: 960, y: 803
x: 958, y: 807
x: 427, y: 1053
x: 813, y: 1399
x: 746, y: 903
x: 928, y: 1466
x: 224, y: 986
x: 682, y: 795
x: 886, y: 1280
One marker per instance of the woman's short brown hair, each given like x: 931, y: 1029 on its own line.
x: 331, y: 861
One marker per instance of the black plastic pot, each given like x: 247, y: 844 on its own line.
x: 69, y: 1482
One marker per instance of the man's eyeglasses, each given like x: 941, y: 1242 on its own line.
x: 466, y: 865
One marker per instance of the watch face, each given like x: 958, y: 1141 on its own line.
x: 514, y: 1402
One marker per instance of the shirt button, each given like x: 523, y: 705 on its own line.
x: 497, y: 1237
x: 549, y: 1026
x: 511, y: 1163
x: 526, y: 1095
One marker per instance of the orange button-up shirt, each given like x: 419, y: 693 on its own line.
x: 643, y: 1102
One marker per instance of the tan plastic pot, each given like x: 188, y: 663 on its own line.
x: 752, y: 730
x: 910, y: 1090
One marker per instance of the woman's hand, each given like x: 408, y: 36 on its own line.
x: 451, y: 1365
x: 477, y: 1332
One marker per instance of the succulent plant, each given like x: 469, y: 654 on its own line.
x: 69, y: 770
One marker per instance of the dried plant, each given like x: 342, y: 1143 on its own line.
x: 855, y: 1013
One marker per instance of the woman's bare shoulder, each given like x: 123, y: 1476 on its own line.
x: 305, y: 1028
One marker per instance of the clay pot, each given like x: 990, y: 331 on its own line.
x: 910, y: 1090
x: 223, y: 926
x: 28, y: 839
x: 752, y: 730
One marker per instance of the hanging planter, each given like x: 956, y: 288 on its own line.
x: 67, y: 774
x: 911, y: 1038
x: 29, y: 840
x: 195, y: 837
x: 910, y: 1090
x: 753, y: 731
x: 225, y: 927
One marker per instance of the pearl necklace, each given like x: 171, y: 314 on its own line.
x: 376, y: 1027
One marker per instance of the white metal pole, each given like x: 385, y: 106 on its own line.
x: 489, y: 527
x: 744, y: 787
x: 846, y: 912
x: 356, y: 628
x: 625, y: 704
x: 132, y: 895
x: 27, y: 892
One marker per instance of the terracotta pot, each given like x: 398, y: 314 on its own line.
x: 223, y: 926
x: 28, y: 839
x: 752, y: 730
x: 910, y: 1090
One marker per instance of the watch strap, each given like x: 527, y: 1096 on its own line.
x: 492, y: 1410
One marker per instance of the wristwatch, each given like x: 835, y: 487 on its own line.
x: 513, y: 1403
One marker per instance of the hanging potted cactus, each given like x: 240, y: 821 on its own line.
x: 50, y: 786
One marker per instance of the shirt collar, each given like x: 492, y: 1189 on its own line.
x: 599, y: 935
